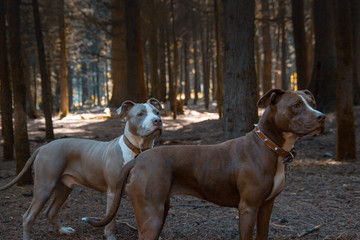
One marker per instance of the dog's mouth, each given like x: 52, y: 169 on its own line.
x: 157, y: 131
x: 314, y: 131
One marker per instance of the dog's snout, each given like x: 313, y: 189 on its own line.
x: 157, y: 121
x: 320, y: 117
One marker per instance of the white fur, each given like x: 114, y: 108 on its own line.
x: 307, y: 104
x: 127, y: 153
x: 150, y: 116
x: 279, y: 178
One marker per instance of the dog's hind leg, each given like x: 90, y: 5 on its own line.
x: 61, y: 193
x: 41, y: 195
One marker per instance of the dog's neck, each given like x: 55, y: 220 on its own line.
x: 142, y: 143
x: 267, y: 125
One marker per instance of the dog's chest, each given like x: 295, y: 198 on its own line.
x: 279, y: 179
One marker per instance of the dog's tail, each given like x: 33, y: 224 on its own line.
x: 27, y: 166
x: 117, y: 199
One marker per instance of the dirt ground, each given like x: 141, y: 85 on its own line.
x: 320, y: 192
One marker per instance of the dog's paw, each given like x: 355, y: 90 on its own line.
x: 66, y: 230
x: 111, y: 237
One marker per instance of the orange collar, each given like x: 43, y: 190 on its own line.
x: 288, y: 156
x: 134, y: 149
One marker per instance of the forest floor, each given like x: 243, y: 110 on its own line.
x: 320, y: 192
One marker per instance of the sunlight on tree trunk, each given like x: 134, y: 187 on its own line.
x: 64, y: 91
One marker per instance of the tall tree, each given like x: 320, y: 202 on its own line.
x: 196, y: 64
x: 240, y: 111
x: 219, y: 56
x: 22, y: 148
x: 6, y: 96
x: 204, y: 35
x: 175, y: 58
x: 119, y: 54
x: 135, y: 63
x: 64, y: 88
x: 302, y: 66
x: 267, y: 76
x: 346, y: 145
x: 46, y: 97
x: 186, y: 70
x: 282, y: 11
x: 322, y: 83
x: 355, y: 18
x: 153, y: 51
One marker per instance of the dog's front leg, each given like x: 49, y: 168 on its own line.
x: 263, y: 220
x: 247, y: 218
x: 110, y: 228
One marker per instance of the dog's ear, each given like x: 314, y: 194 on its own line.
x: 156, y: 103
x: 271, y: 97
x: 125, y: 107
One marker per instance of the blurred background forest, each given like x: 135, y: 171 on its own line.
x: 60, y: 56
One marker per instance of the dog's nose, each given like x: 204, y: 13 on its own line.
x: 157, y: 122
x: 320, y: 117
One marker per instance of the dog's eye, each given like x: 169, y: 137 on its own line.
x: 157, y: 113
x: 297, y: 105
x: 140, y: 114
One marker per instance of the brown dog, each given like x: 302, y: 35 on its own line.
x: 246, y: 173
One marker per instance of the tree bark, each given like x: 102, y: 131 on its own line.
x: 219, y: 56
x: 46, y: 97
x: 204, y: 35
x: 6, y: 96
x: 300, y: 43
x: 170, y: 75
x: 267, y: 66
x: 64, y: 88
x: 282, y: 9
x: 175, y: 60
x: 162, y: 63
x: 135, y: 62
x: 323, y: 81
x: 346, y: 145
x: 196, y: 64
x: 240, y: 111
x: 186, y: 71
x: 355, y: 17
x: 22, y: 148
x: 119, y: 54
x: 153, y: 51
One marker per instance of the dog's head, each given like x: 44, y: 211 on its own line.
x: 143, y: 119
x: 293, y: 111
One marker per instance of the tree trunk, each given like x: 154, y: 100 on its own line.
x: 162, y: 64
x: 300, y: 43
x: 46, y: 96
x: 6, y: 96
x: 346, y: 145
x: 323, y: 81
x: 196, y: 64
x: 186, y: 71
x: 355, y: 17
x: 175, y: 59
x: 282, y: 9
x: 30, y: 107
x: 170, y: 75
x: 119, y: 54
x: 267, y: 66
x: 64, y: 88
x: 205, y: 57
x: 135, y: 62
x: 22, y: 148
x: 219, y: 56
x: 153, y: 51
x: 240, y: 111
